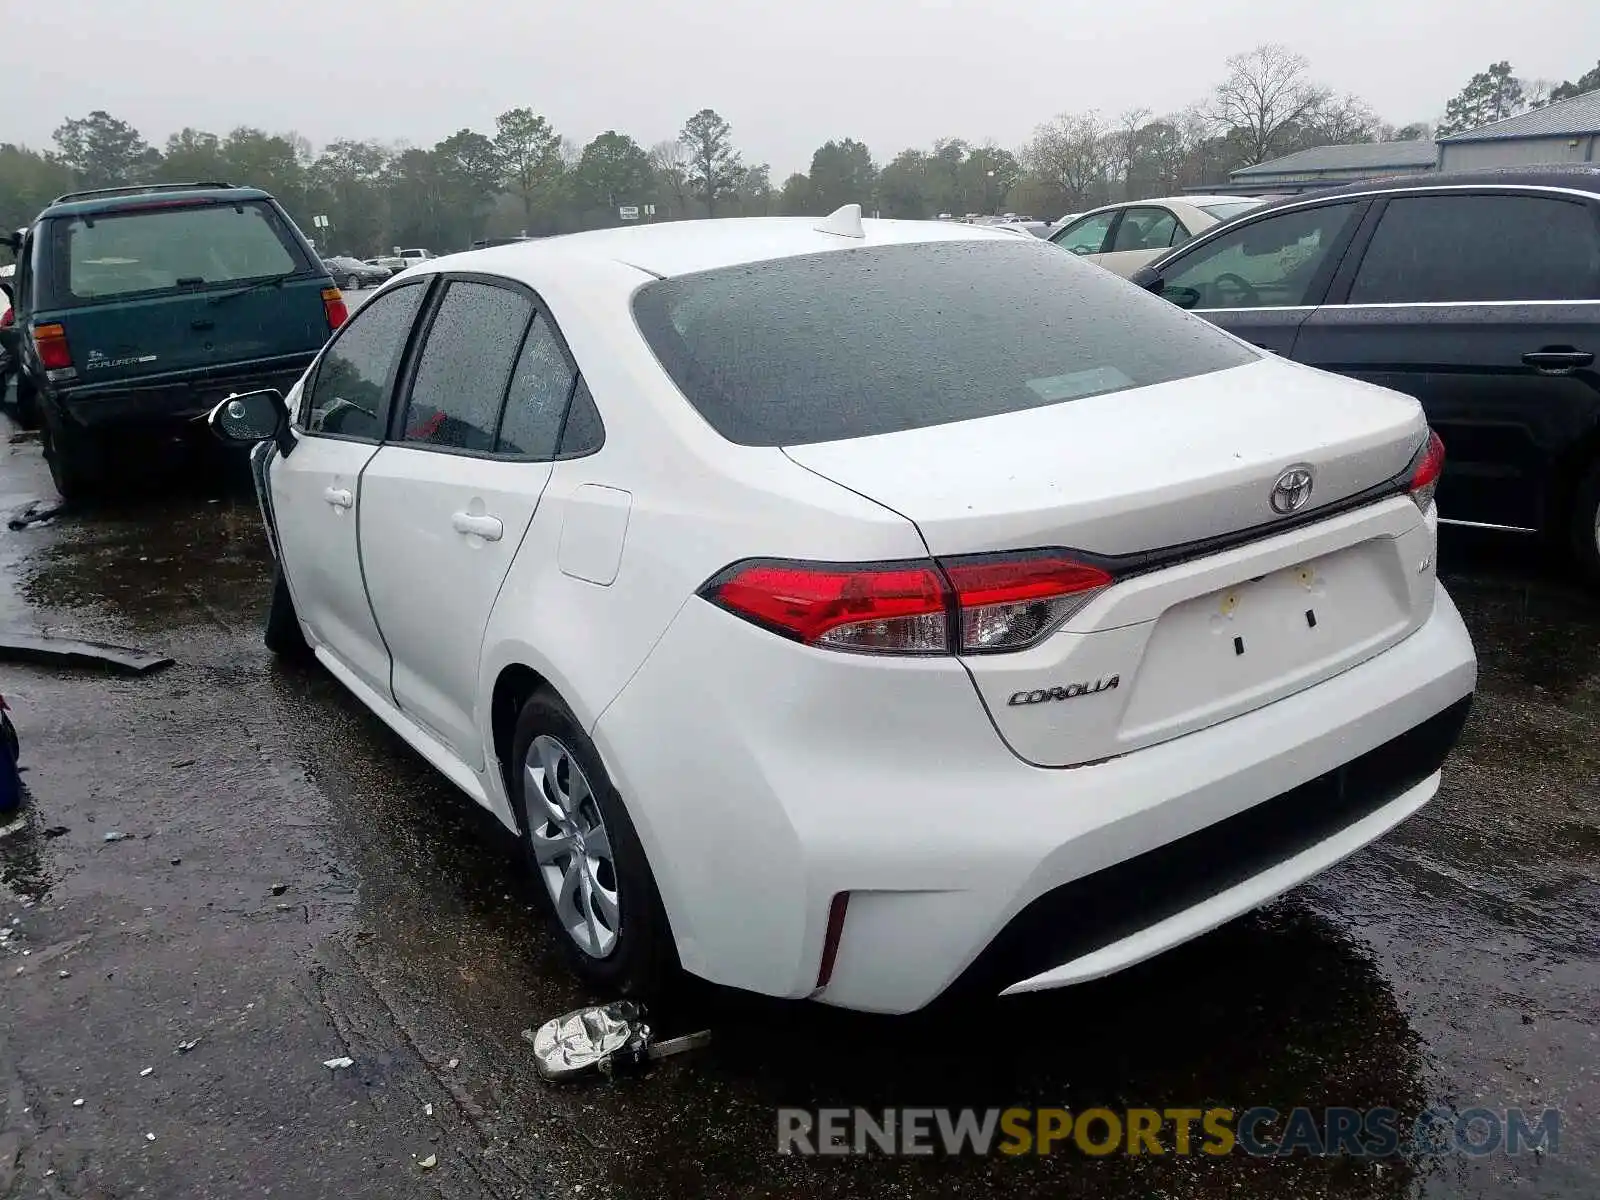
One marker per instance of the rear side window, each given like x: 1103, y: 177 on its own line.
x: 465, y: 366
x: 110, y: 255
x: 857, y: 342
x: 540, y: 388
x: 1462, y: 248
x: 350, y: 391
x: 1145, y: 229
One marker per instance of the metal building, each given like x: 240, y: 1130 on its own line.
x: 1567, y: 131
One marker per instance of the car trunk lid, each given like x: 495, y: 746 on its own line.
x: 1220, y: 602
x: 185, y: 332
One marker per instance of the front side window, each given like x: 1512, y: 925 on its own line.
x: 859, y: 342
x: 1269, y: 263
x: 1145, y: 229
x: 110, y: 255
x: 1433, y: 249
x: 1088, y: 235
x: 350, y: 391
x: 465, y: 366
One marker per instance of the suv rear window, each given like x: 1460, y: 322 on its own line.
x: 852, y: 343
x: 102, y: 256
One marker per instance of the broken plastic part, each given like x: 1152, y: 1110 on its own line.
x: 606, y: 1039
x: 339, y: 1064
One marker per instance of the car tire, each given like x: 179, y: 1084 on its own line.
x: 352, y: 284
x: 75, y: 458
x: 640, y: 959
x: 283, y: 635
x: 1586, y: 525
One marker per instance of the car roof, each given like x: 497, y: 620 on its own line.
x: 671, y: 248
x: 96, y: 202
x: 1578, y: 177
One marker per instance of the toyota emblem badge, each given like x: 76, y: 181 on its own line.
x: 1292, y: 490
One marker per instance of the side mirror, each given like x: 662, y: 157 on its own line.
x: 13, y: 242
x: 1149, y: 279
x: 250, y: 417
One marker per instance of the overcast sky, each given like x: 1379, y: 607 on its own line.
x: 788, y: 76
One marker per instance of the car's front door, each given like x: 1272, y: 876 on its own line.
x: 447, y: 499
x: 1486, y: 307
x: 316, y: 489
x: 1261, y: 279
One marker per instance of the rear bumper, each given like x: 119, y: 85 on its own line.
x: 765, y: 778
x: 173, y: 399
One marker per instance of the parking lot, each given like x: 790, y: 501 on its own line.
x: 296, y: 885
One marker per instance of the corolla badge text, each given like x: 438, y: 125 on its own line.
x: 1070, y: 692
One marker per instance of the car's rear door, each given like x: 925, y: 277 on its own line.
x: 317, y: 489
x: 447, y: 499
x: 1485, y: 305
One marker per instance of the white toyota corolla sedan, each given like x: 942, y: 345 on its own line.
x: 862, y: 610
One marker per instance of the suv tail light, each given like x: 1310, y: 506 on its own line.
x: 333, y: 305
x: 1425, y: 476
x: 51, y: 343
x: 977, y: 604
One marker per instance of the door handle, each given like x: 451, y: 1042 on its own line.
x: 1557, y: 360
x: 488, y: 528
x: 338, y: 497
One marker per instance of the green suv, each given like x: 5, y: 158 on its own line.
x: 143, y: 306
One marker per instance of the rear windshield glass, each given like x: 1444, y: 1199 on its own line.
x: 1228, y: 209
x: 109, y: 255
x: 852, y: 343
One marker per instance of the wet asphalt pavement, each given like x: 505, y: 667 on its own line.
x: 296, y: 885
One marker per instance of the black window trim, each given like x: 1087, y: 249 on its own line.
x: 1338, y: 296
x: 1320, y: 282
x: 400, y: 398
x: 388, y: 401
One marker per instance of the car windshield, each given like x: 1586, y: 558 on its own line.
x: 853, y: 343
x: 104, y: 255
x: 1228, y: 209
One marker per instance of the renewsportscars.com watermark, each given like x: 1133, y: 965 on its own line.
x: 1260, y: 1131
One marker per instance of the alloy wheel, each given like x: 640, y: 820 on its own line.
x: 571, y: 846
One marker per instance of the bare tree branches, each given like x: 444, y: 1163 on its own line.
x: 1264, y: 98
x: 1074, y: 152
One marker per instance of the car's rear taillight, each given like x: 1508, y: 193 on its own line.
x: 970, y: 605
x: 8, y: 318
x: 887, y: 609
x: 1009, y: 602
x: 1425, y: 476
x: 333, y: 305
x: 51, y: 343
